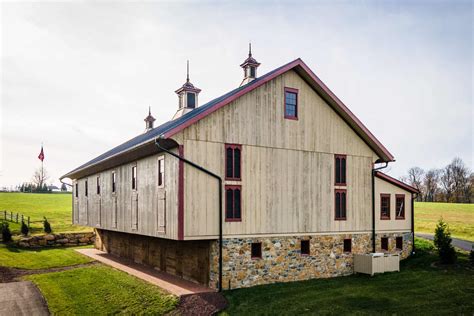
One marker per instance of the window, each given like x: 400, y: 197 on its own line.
x: 256, y: 250
x: 77, y: 190
x: 233, y: 208
x: 384, y: 243
x: 113, y: 182
x: 291, y: 103
x: 305, y: 247
x: 252, y: 72
x: 98, y: 185
x: 399, y: 206
x: 86, y: 191
x: 384, y: 206
x: 399, y: 242
x: 191, y: 100
x: 340, y: 204
x: 233, y: 162
x: 161, y: 171
x: 340, y: 166
x: 134, y: 178
x: 348, y: 245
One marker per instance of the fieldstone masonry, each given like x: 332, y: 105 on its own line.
x: 55, y: 240
x: 282, y: 260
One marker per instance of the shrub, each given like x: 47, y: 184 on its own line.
x: 6, y: 233
x: 471, y: 257
x: 47, y: 226
x: 24, y: 229
x: 442, y: 241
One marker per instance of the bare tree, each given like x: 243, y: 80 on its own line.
x: 447, y: 181
x: 415, y: 178
x: 461, y: 175
x: 430, y: 183
x: 40, y: 177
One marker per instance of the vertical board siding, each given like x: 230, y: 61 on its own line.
x: 393, y: 224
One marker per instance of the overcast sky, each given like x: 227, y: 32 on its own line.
x: 79, y: 76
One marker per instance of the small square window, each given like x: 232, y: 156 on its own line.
x: 305, y: 247
x: 256, y: 250
x: 399, y: 242
x: 348, y: 245
x: 384, y: 243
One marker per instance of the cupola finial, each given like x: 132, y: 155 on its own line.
x: 149, y: 120
x: 250, y: 66
x: 250, y: 49
x: 187, y: 71
x: 188, y: 96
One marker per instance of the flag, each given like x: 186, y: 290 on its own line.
x: 41, y: 155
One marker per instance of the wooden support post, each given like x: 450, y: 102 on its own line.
x: 17, y: 217
x: 22, y: 218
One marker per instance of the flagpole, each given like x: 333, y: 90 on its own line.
x: 42, y: 170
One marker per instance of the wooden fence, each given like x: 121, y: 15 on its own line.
x: 15, y: 217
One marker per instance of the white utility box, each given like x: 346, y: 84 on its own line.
x: 391, y: 262
x: 369, y: 263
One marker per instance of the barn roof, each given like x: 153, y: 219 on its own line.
x: 170, y: 128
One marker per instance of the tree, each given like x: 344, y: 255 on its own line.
x: 63, y: 187
x: 447, y: 181
x: 6, y: 233
x: 430, y: 184
x: 47, y: 226
x: 415, y: 178
x: 39, y: 178
x: 442, y: 241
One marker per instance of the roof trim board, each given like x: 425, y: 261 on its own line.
x: 396, y: 182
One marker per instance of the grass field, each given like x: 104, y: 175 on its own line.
x: 43, y: 258
x: 460, y: 218
x: 55, y: 207
x: 419, y: 289
x: 100, y: 290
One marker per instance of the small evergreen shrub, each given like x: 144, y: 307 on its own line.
x: 442, y: 241
x: 47, y: 226
x: 6, y: 233
x: 471, y: 257
x: 24, y: 229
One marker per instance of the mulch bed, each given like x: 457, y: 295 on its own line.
x: 13, y: 274
x: 200, y: 304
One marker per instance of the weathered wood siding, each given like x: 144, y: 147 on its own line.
x: 149, y: 210
x: 287, y: 165
x: 392, y: 224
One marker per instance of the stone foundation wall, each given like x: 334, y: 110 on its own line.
x: 55, y: 240
x: 392, y: 246
x: 186, y: 259
x: 282, y: 260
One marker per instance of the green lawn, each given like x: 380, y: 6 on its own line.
x: 100, y: 290
x: 460, y: 218
x: 44, y: 258
x: 418, y: 289
x: 57, y: 208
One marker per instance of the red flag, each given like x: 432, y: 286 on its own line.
x: 41, y: 155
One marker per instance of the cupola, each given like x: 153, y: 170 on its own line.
x: 188, y: 96
x: 149, y: 120
x: 250, y: 66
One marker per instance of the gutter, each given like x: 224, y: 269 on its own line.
x: 219, y: 179
x: 373, y: 203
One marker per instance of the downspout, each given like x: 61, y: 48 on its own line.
x: 373, y: 203
x: 219, y: 179
x: 413, y: 197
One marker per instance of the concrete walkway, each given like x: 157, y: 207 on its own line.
x: 460, y: 243
x: 21, y: 298
x: 168, y: 282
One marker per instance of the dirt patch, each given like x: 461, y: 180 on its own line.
x: 13, y: 274
x: 200, y: 304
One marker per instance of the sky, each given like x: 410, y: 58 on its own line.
x: 79, y: 76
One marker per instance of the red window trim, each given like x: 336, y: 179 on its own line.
x: 335, y: 214
x: 382, y: 195
x: 260, y: 255
x: 233, y: 146
x: 232, y: 187
x: 345, y: 158
x: 292, y: 90
x: 404, y: 204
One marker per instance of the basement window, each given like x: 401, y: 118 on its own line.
x: 384, y: 206
x: 348, y: 245
x: 134, y: 177
x: 98, y: 185
x: 399, y: 243
x: 340, y: 204
x: 113, y: 182
x: 340, y: 169
x: 233, y: 206
x: 400, y: 206
x: 161, y: 171
x: 291, y: 103
x: 86, y: 191
x: 305, y: 247
x: 233, y: 162
x: 384, y: 243
x: 256, y: 250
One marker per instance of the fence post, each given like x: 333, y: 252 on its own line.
x: 28, y: 222
x: 17, y: 217
x: 11, y: 216
x: 5, y: 213
x: 22, y: 218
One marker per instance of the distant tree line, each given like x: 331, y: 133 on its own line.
x: 453, y: 183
